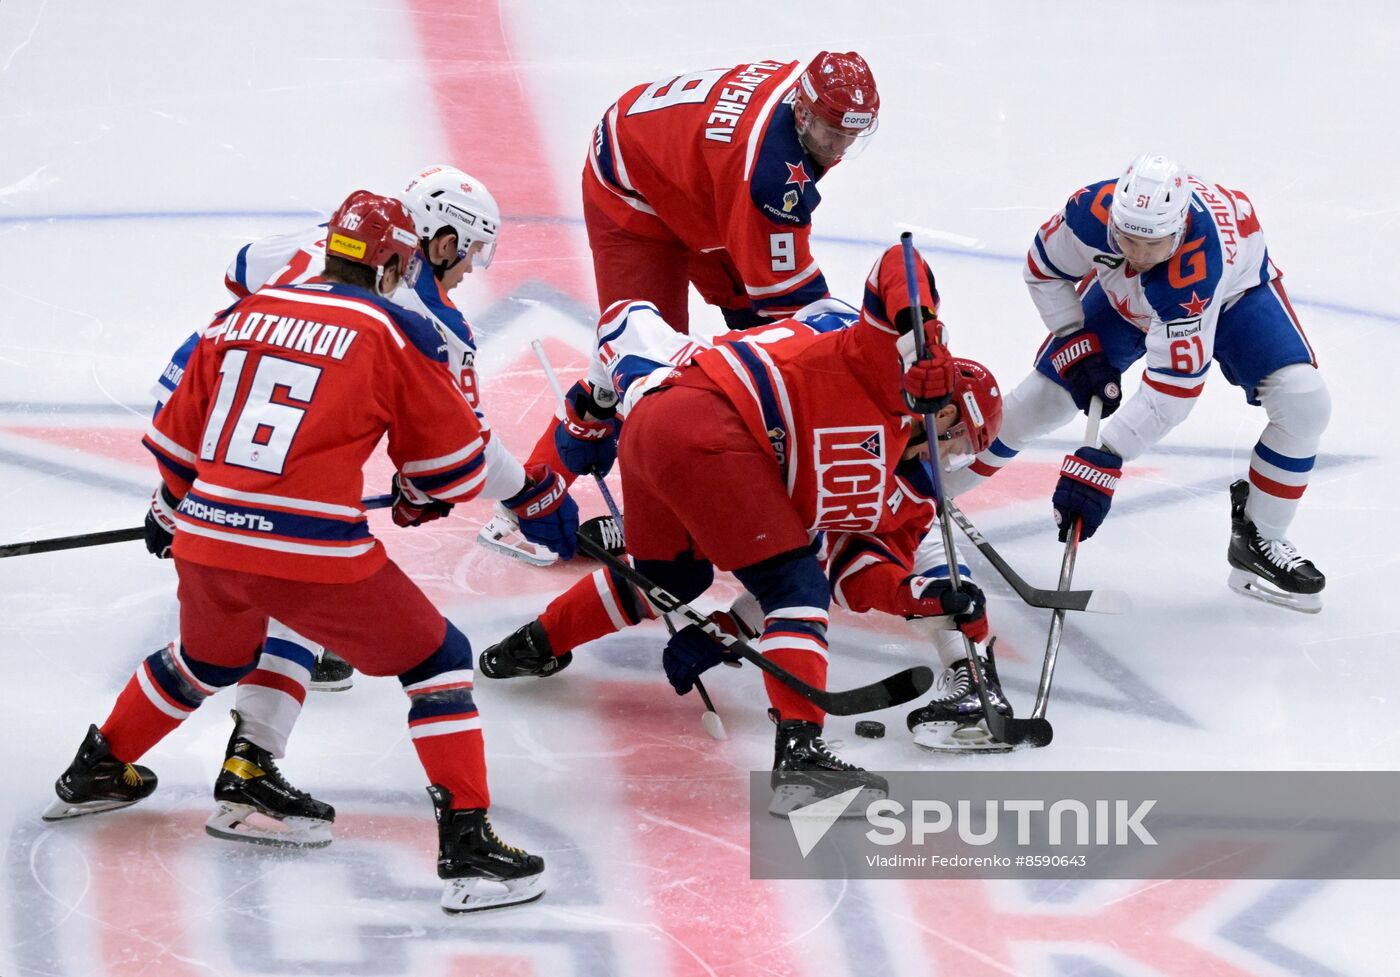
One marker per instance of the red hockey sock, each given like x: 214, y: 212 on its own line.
x: 455, y: 760
x: 802, y: 651
x: 595, y: 606
x: 143, y: 715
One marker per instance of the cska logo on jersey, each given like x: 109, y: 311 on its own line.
x: 850, y: 470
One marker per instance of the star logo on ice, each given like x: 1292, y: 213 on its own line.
x: 798, y: 174
x: 811, y: 823
x: 1196, y: 306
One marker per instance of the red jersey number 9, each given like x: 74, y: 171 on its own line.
x: 783, y: 249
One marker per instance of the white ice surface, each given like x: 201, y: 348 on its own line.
x: 140, y: 145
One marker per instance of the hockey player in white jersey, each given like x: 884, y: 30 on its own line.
x: 458, y: 223
x: 1163, y: 263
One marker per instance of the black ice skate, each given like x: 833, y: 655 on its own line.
x: 806, y: 771
x: 481, y: 871
x: 603, y: 532
x: 256, y: 804
x: 331, y: 674
x: 1269, y: 569
x: 525, y: 651
x: 96, y: 781
x: 954, y: 722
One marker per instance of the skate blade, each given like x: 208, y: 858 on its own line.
x: 61, y: 810
x: 1251, y: 585
x: 497, y: 541
x: 336, y: 686
x: 243, y: 822
x: 478, y: 894
x: 958, y: 738
x: 790, y: 797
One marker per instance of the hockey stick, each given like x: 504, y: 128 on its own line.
x: 1036, y: 730
x: 1057, y: 618
x: 1096, y: 601
x: 892, y: 691
x: 122, y: 535
x: 710, y: 717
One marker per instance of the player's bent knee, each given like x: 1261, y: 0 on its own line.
x: 789, y: 580
x: 685, y: 577
x: 454, y: 655
x: 1297, y: 400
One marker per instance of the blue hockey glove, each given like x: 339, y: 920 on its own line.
x: 586, y: 438
x: 1085, y: 490
x: 1079, y: 360
x: 690, y: 653
x: 547, y: 515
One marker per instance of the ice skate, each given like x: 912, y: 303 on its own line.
x: 1269, y: 569
x: 603, y: 532
x: 525, y: 651
x: 954, y: 722
x: 257, y: 805
x: 480, y: 870
x: 502, y: 534
x: 96, y: 781
x: 331, y: 674
x: 806, y: 771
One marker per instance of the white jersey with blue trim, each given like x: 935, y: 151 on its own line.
x: 292, y: 259
x: 637, y: 351
x: 1176, y: 303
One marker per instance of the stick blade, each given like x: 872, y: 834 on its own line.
x: 1109, y: 602
x: 1016, y: 732
x: 895, y: 690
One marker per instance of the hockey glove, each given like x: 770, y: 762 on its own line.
x: 690, y: 653
x: 923, y: 596
x: 928, y: 383
x: 412, y: 506
x: 1079, y: 360
x: 160, y: 523
x: 1085, y: 490
x: 586, y: 438
x: 547, y: 515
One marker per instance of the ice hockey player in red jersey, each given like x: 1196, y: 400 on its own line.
x: 738, y: 456
x: 457, y: 222
x: 1175, y: 270
x: 710, y: 178
x: 261, y: 449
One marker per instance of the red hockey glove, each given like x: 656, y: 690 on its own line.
x: 928, y: 383
x: 934, y: 597
x: 412, y: 506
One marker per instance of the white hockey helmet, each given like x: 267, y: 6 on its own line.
x: 1151, y: 201
x: 443, y: 196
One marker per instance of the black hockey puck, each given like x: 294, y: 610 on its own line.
x: 870, y: 729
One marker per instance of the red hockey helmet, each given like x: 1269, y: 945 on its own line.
x: 837, y: 106
x: 978, y: 399
x: 373, y: 230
